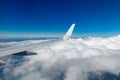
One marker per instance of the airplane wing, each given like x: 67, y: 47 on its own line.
x: 26, y: 49
x: 18, y: 50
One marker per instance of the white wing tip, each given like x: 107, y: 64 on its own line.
x: 69, y: 32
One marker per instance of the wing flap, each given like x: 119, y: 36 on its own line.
x: 25, y: 53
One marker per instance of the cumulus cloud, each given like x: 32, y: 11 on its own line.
x: 73, y: 59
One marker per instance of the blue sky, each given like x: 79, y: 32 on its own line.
x: 48, y: 17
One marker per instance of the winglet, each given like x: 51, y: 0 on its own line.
x: 69, y: 32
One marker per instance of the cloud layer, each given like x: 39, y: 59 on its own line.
x: 64, y: 60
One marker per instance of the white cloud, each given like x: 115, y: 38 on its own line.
x: 70, y: 60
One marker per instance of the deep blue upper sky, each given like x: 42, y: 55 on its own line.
x: 92, y: 17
